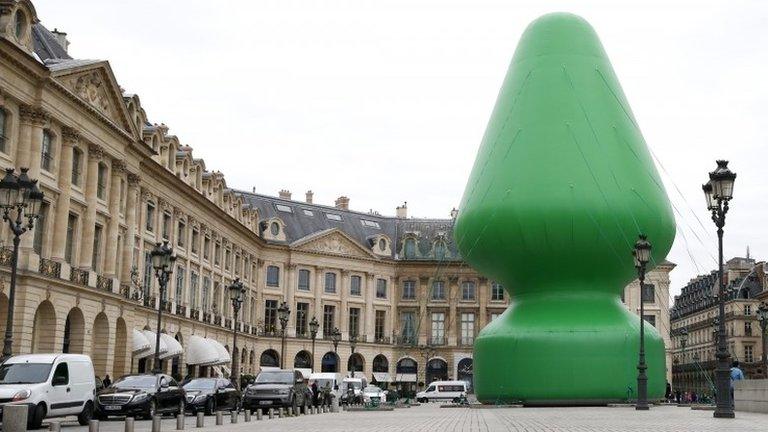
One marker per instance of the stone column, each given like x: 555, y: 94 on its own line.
x: 344, y: 321
x: 319, y: 302
x: 288, y: 294
x: 394, y: 295
x: 260, y: 284
x: 95, y: 153
x: 423, y: 318
x: 370, y: 288
x: 483, y: 296
x: 451, y: 323
x: 130, y: 223
x: 110, y: 258
x: 32, y: 120
x: 69, y: 138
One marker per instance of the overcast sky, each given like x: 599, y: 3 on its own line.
x: 386, y: 101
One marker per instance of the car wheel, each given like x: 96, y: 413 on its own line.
x: 86, y: 415
x: 37, y: 416
x: 210, y: 407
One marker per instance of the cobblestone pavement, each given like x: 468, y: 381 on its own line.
x: 431, y: 417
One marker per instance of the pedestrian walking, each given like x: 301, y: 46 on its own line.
x: 106, y: 381
x: 736, y: 375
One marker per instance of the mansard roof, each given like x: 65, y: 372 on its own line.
x: 46, y: 45
x: 700, y: 293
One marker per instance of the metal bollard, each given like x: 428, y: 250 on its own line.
x: 259, y: 414
x: 54, y: 426
x: 129, y: 424
x: 280, y: 412
x: 200, y: 420
x: 156, y: 423
x: 233, y: 417
x: 180, y: 419
x: 219, y: 418
x: 271, y: 414
x: 93, y: 426
x: 247, y: 415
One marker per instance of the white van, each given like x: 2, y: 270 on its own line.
x: 330, y: 379
x: 51, y: 385
x: 443, y: 390
x: 352, y: 387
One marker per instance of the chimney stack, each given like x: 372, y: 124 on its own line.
x: 402, y: 211
x: 285, y: 194
x: 310, y: 194
x: 342, y: 203
x: 61, y: 38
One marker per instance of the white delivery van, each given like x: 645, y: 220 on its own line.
x: 323, y: 379
x: 51, y: 385
x: 352, y: 388
x: 443, y: 390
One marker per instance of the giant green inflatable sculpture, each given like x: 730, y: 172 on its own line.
x: 561, y: 187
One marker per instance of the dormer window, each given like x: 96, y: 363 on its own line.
x: 382, y: 245
x: 409, y: 249
x: 440, y: 250
x: 274, y: 229
x: 21, y: 24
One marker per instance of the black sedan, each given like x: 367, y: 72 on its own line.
x: 141, y: 395
x: 211, y: 394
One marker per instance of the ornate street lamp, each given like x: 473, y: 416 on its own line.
x: 642, y: 254
x: 162, y: 261
x: 718, y: 192
x: 283, y: 312
x: 313, y: 327
x: 335, y: 338
x: 762, y: 316
x: 715, y: 329
x: 20, y: 198
x: 236, y: 291
x: 352, y: 346
x: 683, y: 343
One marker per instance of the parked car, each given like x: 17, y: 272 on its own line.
x: 327, y: 386
x: 51, y: 385
x: 374, y: 394
x: 210, y: 395
x: 141, y: 395
x: 352, y: 390
x: 443, y: 390
x: 277, y: 388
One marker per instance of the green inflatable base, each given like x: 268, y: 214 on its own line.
x: 577, y: 349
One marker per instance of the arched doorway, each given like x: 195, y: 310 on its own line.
x: 99, y: 343
x: 74, y: 332
x: 330, y: 362
x: 121, y: 348
x: 303, y: 360
x: 465, y: 373
x: 44, y: 330
x: 270, y: 358
x: 406, y: 373
x: 176, y: 360
x: 437, y: 370
x: 355, y: 363
x: 380, y: 363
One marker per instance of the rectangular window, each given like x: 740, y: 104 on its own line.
x: 467, y: 328
x: 379, y: 325
x: 193, y: 281
x: 148, y: 277
x: 283, y: 208
x: 179, y: 284
x: 40, y: 228
x: 3, y: 129
x: 101, y: 182
x: 217, y: 254
x: 747, y: 310
x: 195, y: 241
x: 46, y: 160
x: 409, y: 290
x: 330, y: 282
x: 381, y: 288
x: 329, y: 319
x: 355, y: 284
x: 333, y: 216
x: 468, y: 290
x: 96, y: 263
x: 438, y: 290
x: 71, y: 231
x: 77, y: 164
x: 748, y: 328
x: 206, y: 247
x: 438, y: 328
x: 227, y: 259
x: 166, y: 226
x: 408, y: 326
x: 354, y: 321
x: 649, y: 293
x: 273, y: 276
x: 304, y: 280
x: 497, y: 292
x: 749, y: 355
x: 270, y: 316
x: 369, y: 223
x: 650, y: 319
x: 181, y: 234
x: 150, y: 216
x: 206, y: 293
x: 302, y: 312
x: 495, y: 315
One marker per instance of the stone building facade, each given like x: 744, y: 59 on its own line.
x: 116, y: 184
x: 695, y: 310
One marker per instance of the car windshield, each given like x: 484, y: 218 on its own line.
x: 136, y: 382
x: 24, y: 373
x: 372, y: 389
x: 200, y: 384
x: 275, y: 378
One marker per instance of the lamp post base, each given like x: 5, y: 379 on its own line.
x: 642, y: 408
x: 724, y: 415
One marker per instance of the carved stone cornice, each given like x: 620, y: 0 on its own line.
x: 33, y: 115
x: 260, y: 262
x: 95, y: 151
x: 291, y: 266
x: 178, y: 214
x: 424, y: 280
x: 69, y: 136
x: 119, y: 167
x: 482, y: 280
x: 133, y: 179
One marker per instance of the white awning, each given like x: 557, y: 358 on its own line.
x: 174, y: 348
x: 206, y: 352
x: 405, y: 378
x: 140, y: 342
x: 152, y: 338
x: 382, y: 377
x: 305, y: 372
x: 224, y: 357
